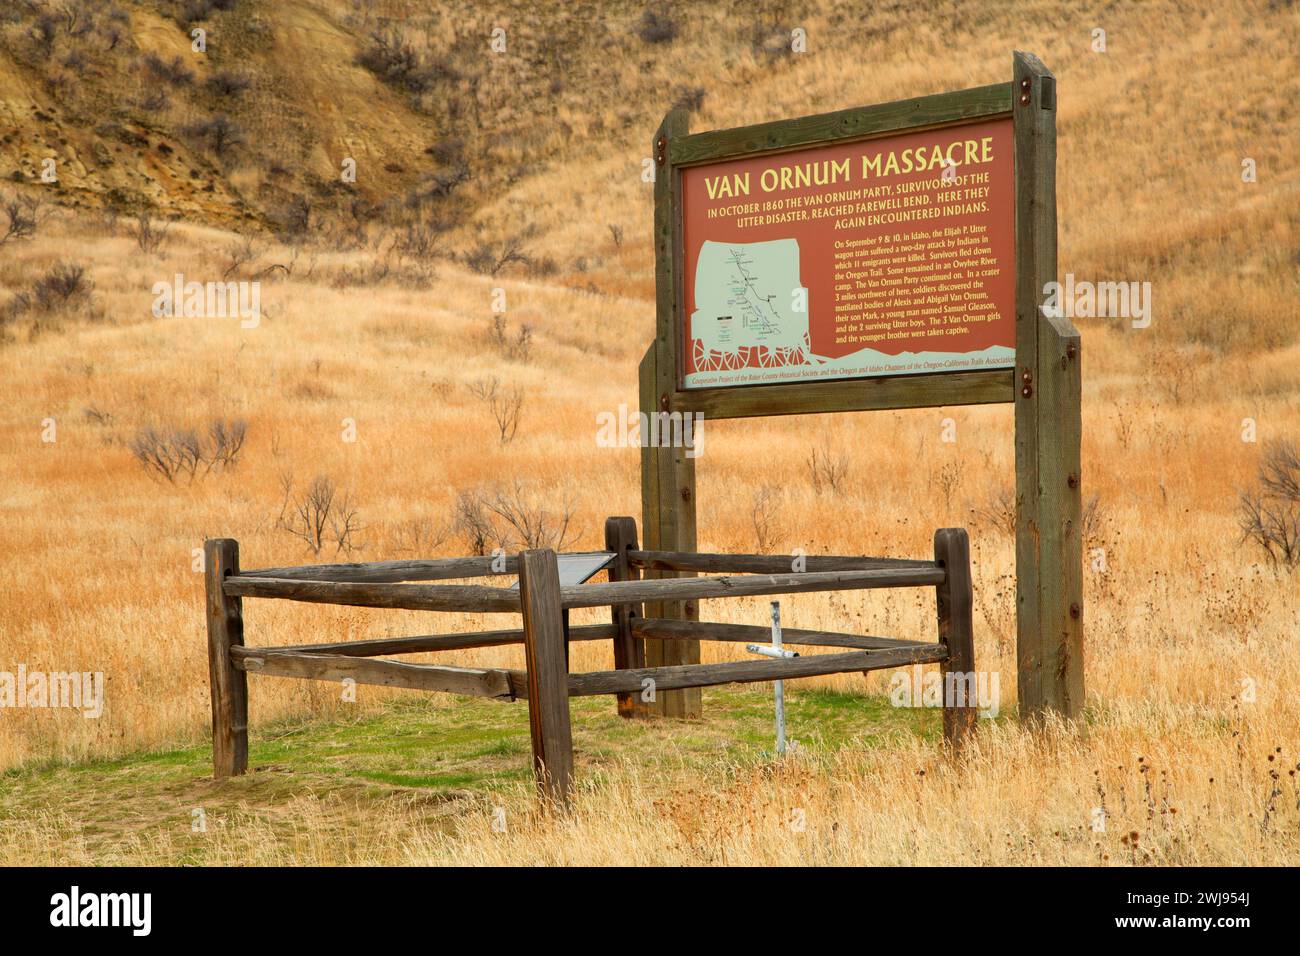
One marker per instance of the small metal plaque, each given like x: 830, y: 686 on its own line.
x: 579, y: 567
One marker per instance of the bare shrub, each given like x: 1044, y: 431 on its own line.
x: 1174, y: 371
x: 418, y: 536
x: 62, y: 290
x: 167, y: 453
x: 354, y: 222
x: 174, y: 451
x: 506, y: 405
x: 106, y: 220
x: 296, y: 216
x: 490, y: 258
x: 75, y: 61
x: 97, y: 415
x: 395, y: 61
x: 154, y: 99
x: 616, y: 233
x: 244, y: 251
x: 437, y: 186
x: 998, y: 512
x: 63, y: 287
x: 1124, y: 421
x: 655, y: 27
x: 321, y: 515
x: 227, y: 83
x: 948, y: 480
x: 219, y: 133
x: 21, y: 218
x: 472, y: 521
x: 43, y: 31
x: 1269, y: 514
x: 1279, y: 474
x: 828, y: 471
x: 369, y: 273
x: 289, y: 266
x: 765, y: 517
x: 173, y: 72
x: 518, y: 347
x: 150, y: 234
x: 225, y: 441
x: 195, y: 10
x: 418, y: 237
x: 535, y: 525
x: 1094, y: 523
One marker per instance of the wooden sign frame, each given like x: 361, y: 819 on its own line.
x: 1045, y: 384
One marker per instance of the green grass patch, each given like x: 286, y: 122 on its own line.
x: 414, y: 747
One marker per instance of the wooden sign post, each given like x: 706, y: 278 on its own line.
x: 890, y: 256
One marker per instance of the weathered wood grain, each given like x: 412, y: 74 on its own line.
x: 954, y: 603
x: 754, y: 633
x: 228, y: 686
x: 475, y: 682
x: 466, y: 598
x: 650, y: 523
x: 984, y: 387
x: 861, y: 122
x: 675, y: 482
x: 762, y: 563
x: 548, y: 699
x: 695, y: 589
x: 1049, y: 574
x: 1060, y: 522
x: 741, y: 672
x: 380, y: 647
x: 629, y: 649
x: 387, y: 572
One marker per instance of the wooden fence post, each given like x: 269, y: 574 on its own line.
x: 954, y: 601
x: 629, y: 651
x: 229, y: 686
x: 1049, y: 550
x: 548, y: 678
x: 668, y: 500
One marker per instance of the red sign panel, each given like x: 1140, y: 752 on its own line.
x: 891, y: 256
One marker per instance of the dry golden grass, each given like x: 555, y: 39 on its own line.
x: 97, y: 557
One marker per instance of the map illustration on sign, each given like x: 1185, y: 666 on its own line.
x: 746, y: 294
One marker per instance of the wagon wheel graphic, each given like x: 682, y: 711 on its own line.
x: 796, y: 354
x: 705, y: 360
x: 732, y: 360
x: 711, y: 360
x: 784, y: 355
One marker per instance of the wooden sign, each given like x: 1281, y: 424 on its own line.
x: 888, y: 256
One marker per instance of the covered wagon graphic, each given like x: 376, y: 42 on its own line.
x: 746, y: 296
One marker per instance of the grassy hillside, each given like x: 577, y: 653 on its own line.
x: 521, y: 172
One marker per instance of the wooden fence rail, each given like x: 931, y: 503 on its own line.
x: 677, y: 630
x: 762, y: 563
x: 466, y: 598
x: 474, y: 682
x: 692, y: 589
x: 677, y: 676
x: 543, y: 603
x: 443, y: 642
x: 388, y: 572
